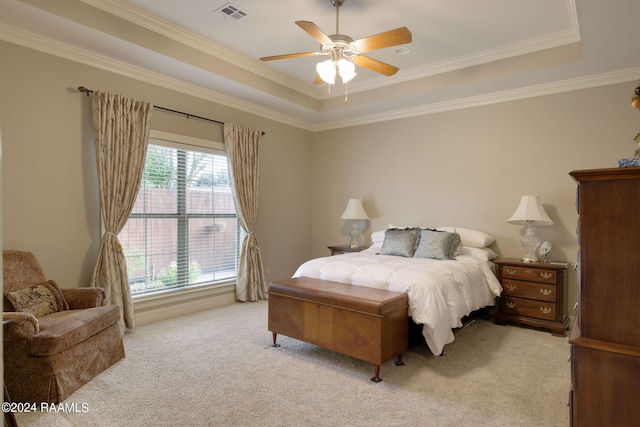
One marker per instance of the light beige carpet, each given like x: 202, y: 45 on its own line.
x: 217, y: 368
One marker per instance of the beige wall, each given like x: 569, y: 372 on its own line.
x: 468, y: 168
x: 50, y: 190
x: 464, y: 168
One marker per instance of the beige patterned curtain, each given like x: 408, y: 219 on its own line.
x: 243, y: 156
x: 121, y: 132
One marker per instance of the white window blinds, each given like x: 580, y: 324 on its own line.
x: 183, y: 230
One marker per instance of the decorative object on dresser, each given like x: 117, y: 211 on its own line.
x: 356, y: 213
x: 343, y: 249
x: 632, y: 162
x: 544, y: 251
x: 530, y: 213
x: 532, y: 294
x: 605, y: 337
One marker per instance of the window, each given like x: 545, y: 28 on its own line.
x: 183, y: 230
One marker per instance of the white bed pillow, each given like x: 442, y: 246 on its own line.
x: 375, y: 246
x: 377, y: 236
x: 471, y: 238
x: 486, y: 254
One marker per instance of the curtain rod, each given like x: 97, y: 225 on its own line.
x: 187, y: 115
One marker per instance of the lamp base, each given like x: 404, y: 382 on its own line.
x: 530, y: 242
x: 355, y: 235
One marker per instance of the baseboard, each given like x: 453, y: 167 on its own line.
x: 166, y: 306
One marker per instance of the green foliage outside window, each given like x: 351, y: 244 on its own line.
x: 169, y: 276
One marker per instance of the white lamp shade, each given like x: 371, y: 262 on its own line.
x: 346, y: 69
x: 354, y: 210
x: 327, y: 71
x: 530, y: 211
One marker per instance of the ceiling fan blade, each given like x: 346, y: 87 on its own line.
x: 315, y: 32
x: 375, y: 65
x: 289, y: 55
x: 318, y: 80
x: 387, y: 39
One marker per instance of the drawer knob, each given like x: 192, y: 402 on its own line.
x: 512, y: 287
x: 511, y: 304
x: 545, y: 310
x: 511, y: 271
x: 545, y: 292
x: 545, y: 275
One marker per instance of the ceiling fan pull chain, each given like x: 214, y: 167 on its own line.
x: 346, y: 92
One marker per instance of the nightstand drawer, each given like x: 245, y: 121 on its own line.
x: 532, y: 294
x: 530, y: 290
x: 527, y: 307
x: 529, y: 274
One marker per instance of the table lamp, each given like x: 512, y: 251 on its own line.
x: 355, y: 212
x: 530, y: 213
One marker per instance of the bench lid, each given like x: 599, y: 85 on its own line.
x: 353, y: 297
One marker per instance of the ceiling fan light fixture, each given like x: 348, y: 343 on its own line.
x: 346, y: 53
x: 327, y: 71
x: 346, y: 69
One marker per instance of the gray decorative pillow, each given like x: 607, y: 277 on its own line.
x: 437, y: 244
x: 400, y: 242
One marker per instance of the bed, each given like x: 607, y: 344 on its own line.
x: 446, y: 272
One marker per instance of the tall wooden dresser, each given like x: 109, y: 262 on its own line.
x: 605, y: 339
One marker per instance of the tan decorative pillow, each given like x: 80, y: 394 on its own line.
x: 53, y: 286
x: 38, y: 300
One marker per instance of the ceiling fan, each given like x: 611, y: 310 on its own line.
x: 344, y: 52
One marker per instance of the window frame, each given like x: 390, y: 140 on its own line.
x: 187, y: 143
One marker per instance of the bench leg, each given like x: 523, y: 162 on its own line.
x: 377, y: 378
x: 275, y: 337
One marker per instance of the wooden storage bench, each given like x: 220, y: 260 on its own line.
x: 366, y: 323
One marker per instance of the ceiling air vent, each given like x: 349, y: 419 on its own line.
x: 230, y: 11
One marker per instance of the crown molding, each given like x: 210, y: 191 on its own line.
x: 491, y: 55
x: 62, y: 50
x: 167, y: 29
x: 568, y: 85
x: 56, y: 48
x: 548, y: 41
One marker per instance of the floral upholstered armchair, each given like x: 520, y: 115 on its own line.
x: 58, y: 339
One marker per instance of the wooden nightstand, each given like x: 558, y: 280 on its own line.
x: 532, y: 294
x: 343, y: 249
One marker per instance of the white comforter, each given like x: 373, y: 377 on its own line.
x: 440, y: 293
